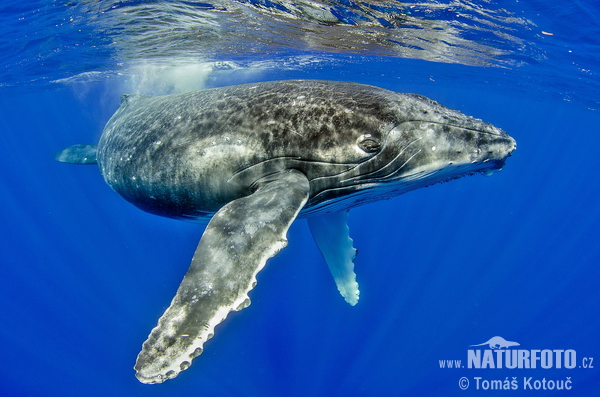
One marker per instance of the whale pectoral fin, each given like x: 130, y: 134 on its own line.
x: 233, y: 249
x: 77, y: 154
x: 331, y: 234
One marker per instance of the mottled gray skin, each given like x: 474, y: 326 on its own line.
x: 252, y: 158
x: 186, y: 155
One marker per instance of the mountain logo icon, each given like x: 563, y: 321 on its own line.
x: 498, y: 342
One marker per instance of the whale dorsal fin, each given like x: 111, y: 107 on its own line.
x: 129, y: 98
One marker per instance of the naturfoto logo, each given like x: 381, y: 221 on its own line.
x: 499, y: 355
x: 498, y: 342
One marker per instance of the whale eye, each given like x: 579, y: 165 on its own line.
x: 368, y: 143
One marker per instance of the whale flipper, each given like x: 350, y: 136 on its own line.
x: 331, y: 234
x: 77, y: 154
x: 237, y: 242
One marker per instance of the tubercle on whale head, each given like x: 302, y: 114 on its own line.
x: 498, y: 153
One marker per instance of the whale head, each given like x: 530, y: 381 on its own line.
x: 417, y: 143
x: 433, y: 142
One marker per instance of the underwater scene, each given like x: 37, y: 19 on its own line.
x: 403, y: 198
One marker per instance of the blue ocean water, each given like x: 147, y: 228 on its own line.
x: 85, y: 275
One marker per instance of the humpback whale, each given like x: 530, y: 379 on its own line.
x: 250, y: 159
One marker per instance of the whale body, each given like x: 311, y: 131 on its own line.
x: 252, y: 158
